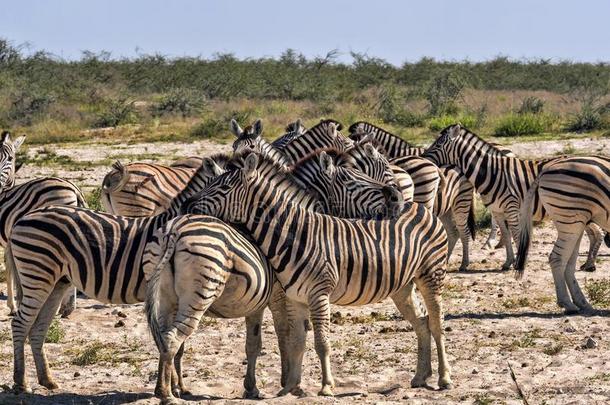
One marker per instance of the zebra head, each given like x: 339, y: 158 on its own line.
x: 358, y: 132
x: 8, y: 152
x: 296, y: 128
x: 353, y: 194
x: 446, y: 148
x: 248, y: 139
x: 369, y: 157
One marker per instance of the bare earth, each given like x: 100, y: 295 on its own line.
x: 493, y: 323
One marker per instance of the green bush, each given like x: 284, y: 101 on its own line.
x: 531, y: 105
x: 184, y: 102
x: 93, y: 199
x: 442, y: 93
x: 116, y: 112
x: 522, y: 124
x: 56, y: 333
x: 589, y: 118
x: 438, y: 123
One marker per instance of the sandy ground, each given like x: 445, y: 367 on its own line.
x: 493, y: 323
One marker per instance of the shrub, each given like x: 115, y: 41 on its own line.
x: 179, y: 101
x: 590, y: 117
x: 438, y: 123
x: 92, y: 354
x: 27, y: 104
x: 93, y: 199
x: 598, y: 292
x: 116, y: 112
x: 56, y: 333
x: 531, y: 105
x: 522, y: 124
x: 442, y: 93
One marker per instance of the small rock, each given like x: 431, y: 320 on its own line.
x: 590, y: 343
x: 365, y: 394
x: 108, y: 375
x: 570, y: 329
x: 389, y: 390
x: 475, y: 371
x: 119, y: 324
x: 492, y: 334
x: 121, y: 314
x: 484, y: 261
x: 448, y: 329
x: 560, y: 390
x: 76, y: 374
x: 524, y: 364
x: 500, y: 295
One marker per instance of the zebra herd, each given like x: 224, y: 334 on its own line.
x: 313, y: 219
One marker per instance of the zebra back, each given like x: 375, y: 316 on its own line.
x: 147, y: 189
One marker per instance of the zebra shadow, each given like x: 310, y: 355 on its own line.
x: 105, y: 398
x: 527, y: 314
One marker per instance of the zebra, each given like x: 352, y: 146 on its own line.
x: 500, y: 180
x: 250, y: 138
x: 99, y: 253
x: 574, y: 191
x: 147, y: 189
x: 321, y: 259
x: 293, y: 131
x: 16, y: 201
x: 198, y: 265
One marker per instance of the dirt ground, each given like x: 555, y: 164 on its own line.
x: 493, y: 323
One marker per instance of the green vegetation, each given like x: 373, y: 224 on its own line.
x: 93, y: 199
x: 56, y: 333
x: 155, y: 98
x: 598, y: 292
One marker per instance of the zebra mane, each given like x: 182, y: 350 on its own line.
x: 374, y: 142
x: 275, y: 172
x: 327, y: 121
x: 332, y: 152
x: 464, y: 132
x: 221, y: 159
x: 354, y: 128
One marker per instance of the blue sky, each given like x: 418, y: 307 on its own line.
x: 396, y: 30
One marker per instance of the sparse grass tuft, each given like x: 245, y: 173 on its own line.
x: 5, y: 335
x: 483, y: 399
x: 552, y: 349
x: 56, y: 332
x: 94, y: 353
x: 527, y: 340
x: 598, y: 292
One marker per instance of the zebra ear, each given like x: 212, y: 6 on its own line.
x: 454, y: 131
x: 371, y: 151
x: 235, y: 128
x: 298, y: 126
x: 258, y: 128
x: 327, y: 164
x: 18, y: 142
x: 18, y: 166
x: 249, y: 169
x: 6, y: 136
x: 210, y: 167
x: 332, y: 130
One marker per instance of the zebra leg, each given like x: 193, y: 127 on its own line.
x: 68, y: 303
x: 38, y: 333
x: 510, y: 256
x: 178, y: 385
x: 595, y: 235
x: 405, y: 300
x: 558, y: 259
x: 320, y: 317
x: 460, y: 218
x: 451, y: 231
x: 9, y: 267
x: 254, y: 342
x: 430, y: 289
x: 29, y: 308
x: 298, y: 319
x: 490, y: 243
x: 577, y: 295
x: 277, y: 305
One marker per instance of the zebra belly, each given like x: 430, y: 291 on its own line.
x: 237, y: 299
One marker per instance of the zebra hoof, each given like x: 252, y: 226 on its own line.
x: 587, y: 268
x: 21, y: 389
x: 445, y: 384
x: 326, y: 391
x: 49, y: 384
x: 254, y: 394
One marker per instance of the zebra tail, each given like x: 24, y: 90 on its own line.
x: 607, y: 239
x: 160, y: 279
x: 525, y: 227
x: 116, y: 179
x: 472, y: 222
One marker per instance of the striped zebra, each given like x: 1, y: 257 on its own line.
x: 198, y: 265
x: 321, y: 259
x: 250, y: 139
x: 293, y: 131
x: 500, y: 180
x: 325, y: 134
x: 16, y: 201
x: 574, y: 191
x: 147, y: 189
